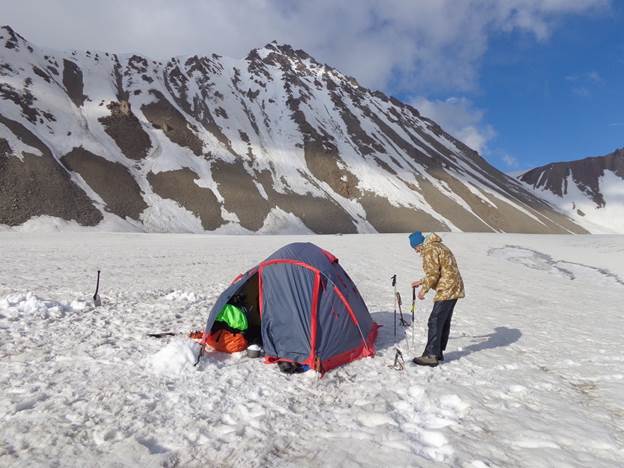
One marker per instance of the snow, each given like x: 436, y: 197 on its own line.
x: 608, y: 219
x: 18, y: 147
x: 175, y: 358
x: 43, y: 224
x: 534, y: 373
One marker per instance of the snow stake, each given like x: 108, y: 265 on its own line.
x: 199, y: 356
x: 96, y: 298
x: 202, y: 345
x: 399, y: 362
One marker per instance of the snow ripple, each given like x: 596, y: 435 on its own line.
x: 544, y: 262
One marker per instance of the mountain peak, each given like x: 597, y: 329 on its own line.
x: 14, y: 37
x: 584, y: 188
x: 282, y: 49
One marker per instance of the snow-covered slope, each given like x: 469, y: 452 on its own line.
x: 273, y: 142
x: 590, y: 190
x: 533, y: 377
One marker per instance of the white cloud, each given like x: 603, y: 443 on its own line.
x: 459, y: 117
x: 509, y: 160
x: 409, y: 45
x: 582, y: 83
x: 589, y: 77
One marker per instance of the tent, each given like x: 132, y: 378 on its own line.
x: 307, y: 308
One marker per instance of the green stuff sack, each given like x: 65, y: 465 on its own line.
x: 234, y: 317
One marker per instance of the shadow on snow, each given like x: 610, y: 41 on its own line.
x: 500, y: 337
x: 386, y: 338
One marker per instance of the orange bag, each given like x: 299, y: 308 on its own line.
x: 227, y: 342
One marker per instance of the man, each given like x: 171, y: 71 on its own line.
x: 441, y: 274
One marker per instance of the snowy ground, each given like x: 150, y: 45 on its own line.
x: 534, y: 374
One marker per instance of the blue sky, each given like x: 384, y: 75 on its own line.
x: 555, y: 100
x: 524, y: 82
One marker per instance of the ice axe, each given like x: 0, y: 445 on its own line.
x: 402, y: 321
x: 96, y: 297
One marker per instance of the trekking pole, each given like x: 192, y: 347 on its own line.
x: 395, y: 302
x: 413, y: 311
x: 402, y: 321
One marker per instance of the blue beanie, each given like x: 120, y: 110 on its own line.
x: 416, y: 238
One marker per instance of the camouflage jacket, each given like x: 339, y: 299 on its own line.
x: 441, y: 271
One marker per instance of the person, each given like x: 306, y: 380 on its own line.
x: 442, y: 275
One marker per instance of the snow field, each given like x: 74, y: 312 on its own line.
x: 533, y: 376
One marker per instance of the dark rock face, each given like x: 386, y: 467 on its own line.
x: 180, y: 186
x: 111, y: 181
x: 320, y: 215
x: 386, y: 217
x: 162, y: 115
x: 5, y: 149
x: 72, y: 79
x: 585, y: 173
x: 124, y: 127
x: 241, y: 195
x: 38, y: 185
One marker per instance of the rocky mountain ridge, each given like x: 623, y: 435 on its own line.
x: 275, y: 142
x: 589, y: 190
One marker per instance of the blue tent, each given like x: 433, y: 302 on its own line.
x: 309, y: 310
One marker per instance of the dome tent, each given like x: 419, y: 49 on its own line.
x: 306, y: 306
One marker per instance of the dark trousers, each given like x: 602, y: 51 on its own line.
x: 439, y: 327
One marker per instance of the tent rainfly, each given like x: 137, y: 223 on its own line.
x: 307, y: 308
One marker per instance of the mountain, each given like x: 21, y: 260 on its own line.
x: 590, y: 190
x: 275, y: 142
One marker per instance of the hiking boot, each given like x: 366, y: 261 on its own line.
x: 291, y: 367
x: 430, y: 361
x: 440, y: 357
x: 287, y: 367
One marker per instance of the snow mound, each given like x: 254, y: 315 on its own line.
x: 188, y: 296
x: 18, y: 305
x: 175, y: 358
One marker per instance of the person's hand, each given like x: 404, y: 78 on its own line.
x: 415, y: 284
x: 421, y: 294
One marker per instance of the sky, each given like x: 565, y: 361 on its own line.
x: 524, y: 82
